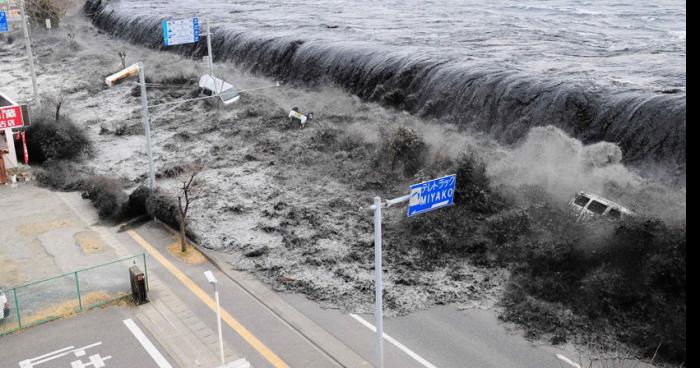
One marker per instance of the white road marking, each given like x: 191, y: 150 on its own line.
x: 29, y: 363
x: 568, y: 361
x: 399, y: 345
x: 146, y: 343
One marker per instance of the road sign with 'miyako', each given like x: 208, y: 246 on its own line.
x: 431, y: 195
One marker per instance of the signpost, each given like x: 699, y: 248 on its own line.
x: 431, y: 195
x: 3, y: 22
x: 424, y: 197
x: 180, y: 31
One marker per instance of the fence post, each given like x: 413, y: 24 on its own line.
x: 77, y: 286
x: 19, y: 319
x: 145, y: 270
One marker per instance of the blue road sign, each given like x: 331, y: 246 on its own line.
x: 179, y: 31
x: 3, y: 22
x: 431, y: 195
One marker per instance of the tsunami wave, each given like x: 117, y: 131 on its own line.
x: 648, y: 126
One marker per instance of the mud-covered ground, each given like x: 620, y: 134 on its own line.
x: 290, y: 204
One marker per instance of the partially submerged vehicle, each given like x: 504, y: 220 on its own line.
x: 588, y: 205
x: 211, y: 86
x: 296, y: 115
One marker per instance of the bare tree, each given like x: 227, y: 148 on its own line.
x: 187, y: 193
x: 57, y: 101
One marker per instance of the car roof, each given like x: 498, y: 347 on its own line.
x: 214, y: 84
x: 606, y: 202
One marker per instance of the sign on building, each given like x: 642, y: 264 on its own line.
x: 179, y: 31
x: 11, y: 117
x: 431, y: 195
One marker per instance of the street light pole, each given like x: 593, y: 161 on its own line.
x: 378, y: 308
x: 146, y: 127
x: 378, y: 318
x: 212, y: 280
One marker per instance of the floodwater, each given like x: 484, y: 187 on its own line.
x: 637, y: 44
x: 600, y: 71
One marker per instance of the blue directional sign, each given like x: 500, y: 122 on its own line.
x: 431, y: 195
x: 179, y: 31
x: 3, y: 22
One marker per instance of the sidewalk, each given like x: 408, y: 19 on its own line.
x: 184, y: 336
x: 51, y: 233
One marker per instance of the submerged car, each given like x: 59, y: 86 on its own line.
x: 5, y: 306
x: 209, y: 86
x: 588, y: 205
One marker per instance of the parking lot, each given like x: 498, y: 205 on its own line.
x: 109, y: 338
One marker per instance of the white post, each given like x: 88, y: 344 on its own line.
x: 218, y: 323
x: 378, y: 281
x: 210, y: 58
x: 146, y: 128
x: 30, y: 56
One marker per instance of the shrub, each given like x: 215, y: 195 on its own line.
x: 51, y: 139
x: 473, y: 188
x: 157, y: 204
x: 59, y: 175
x: 632, y: 282
x: 108, y: 197
x: 404, y: 148
x: 40, y: 10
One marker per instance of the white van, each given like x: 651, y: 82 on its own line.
x: 587, y: 205
x: 209, y: 86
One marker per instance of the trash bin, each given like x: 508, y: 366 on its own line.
x: 138, y: 285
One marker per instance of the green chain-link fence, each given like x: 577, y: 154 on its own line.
x: 63, y: 295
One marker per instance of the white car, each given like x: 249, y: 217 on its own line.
x: 214, y: 86
x: 5, y: 306
x: 588, y: 205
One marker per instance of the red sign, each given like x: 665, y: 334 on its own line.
x: 11, y: 117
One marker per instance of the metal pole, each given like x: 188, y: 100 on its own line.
x: 19, y: 318
x: 77, y: 286
x: 210, y: 58
x: 218, y: 323
x: 30, y: 56
x: 146, y: 128
x: 378, y: 281
x: 145, y: 269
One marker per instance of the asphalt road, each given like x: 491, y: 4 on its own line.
x: 439, y: 337
x: 442, y: 336
x: 98, y: 338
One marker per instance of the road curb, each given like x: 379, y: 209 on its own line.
x: 326, y: 342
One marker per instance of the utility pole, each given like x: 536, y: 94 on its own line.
x: 146, y: 128
x: 210, y: 57
x: 30, y: 56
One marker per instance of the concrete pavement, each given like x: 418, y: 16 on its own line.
x: 97, y: 338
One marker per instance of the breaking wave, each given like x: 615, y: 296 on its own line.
x: 649, y: 127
